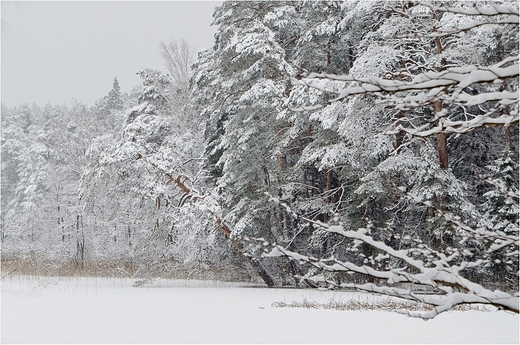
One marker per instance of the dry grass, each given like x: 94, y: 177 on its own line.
x: 66, y: 268
x: 108, y: 269
x: 382, y: 305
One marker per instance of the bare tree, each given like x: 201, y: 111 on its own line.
x: 178, y: 57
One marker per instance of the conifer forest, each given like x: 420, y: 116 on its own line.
x: 364, y: 145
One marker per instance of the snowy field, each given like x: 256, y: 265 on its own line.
x: 96, y: 310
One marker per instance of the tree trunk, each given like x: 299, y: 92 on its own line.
x: 399, y: 137
x: 328, y: 196
x: 304, y: 181
x: 304, y: 172
x: 261, y: 270
x: 257, y: 265
x: 282, y: 160
x: 129, y: 230
x: 314, y: 170
x: 442, y: 142
x: 80, y: 244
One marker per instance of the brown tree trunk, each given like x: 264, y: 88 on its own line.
x: 442, y: 141
x: 267, y: 177
x: 399, y: 137
x: 442, y: 148
x: 304, y: 181
x: 282, y: 160
x: 314, y: 171
x: 304, y: 172
x: 328, y: 195
x: 329, y: 186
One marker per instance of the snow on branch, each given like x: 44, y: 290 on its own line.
x: 459, y: 127
x: 438, y: 272
x: 479, y: 233
x: 464, y: 86
x: 449, y: 86
x: 513, y: 19
x: 500, y: 14
x: 459, y: 77
x: 491, y: 10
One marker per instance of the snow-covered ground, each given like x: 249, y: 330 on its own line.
x: 96, y: 310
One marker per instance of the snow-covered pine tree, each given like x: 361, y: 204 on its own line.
x: 502, y: 215
x: 335, y: 144
x: 429, y: 96
x: 242, y: 84
x: 114, y: 101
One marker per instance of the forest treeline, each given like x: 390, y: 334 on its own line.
x: 261, y: 157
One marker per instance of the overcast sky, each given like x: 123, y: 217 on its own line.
x: 59, y: 50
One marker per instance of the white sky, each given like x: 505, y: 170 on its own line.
x: 59, y: 50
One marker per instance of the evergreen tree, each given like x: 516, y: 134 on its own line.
x: 114, y: 101
x: 502, y: 200
x: 242, y: 85
x: 502, y: 215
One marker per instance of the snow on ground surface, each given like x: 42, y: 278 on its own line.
x: 109, y: 310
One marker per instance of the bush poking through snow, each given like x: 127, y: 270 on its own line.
x: 382, y: 305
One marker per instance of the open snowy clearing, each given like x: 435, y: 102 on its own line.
x: 97, y: 310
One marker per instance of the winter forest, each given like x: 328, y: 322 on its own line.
x: 362, y: 145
